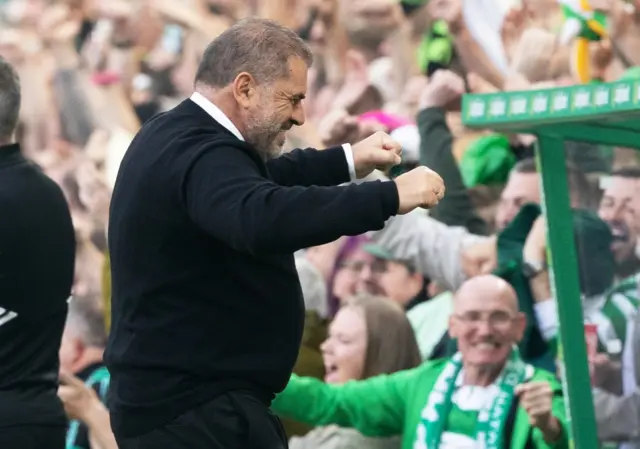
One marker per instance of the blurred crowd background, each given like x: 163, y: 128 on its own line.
x: 93, y: 71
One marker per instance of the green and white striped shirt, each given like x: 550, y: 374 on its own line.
x: 614, y: 314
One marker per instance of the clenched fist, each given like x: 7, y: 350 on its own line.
x: 377, y: 152
x: 443, y: 89
x: 420, y: 187
x: 337, y: 127
x: 537, y: 399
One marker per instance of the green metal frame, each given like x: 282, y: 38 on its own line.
x: 607, y: 114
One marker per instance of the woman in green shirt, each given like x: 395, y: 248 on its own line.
x: 368, y: 336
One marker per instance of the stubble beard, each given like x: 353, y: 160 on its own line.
x: 263, y: 129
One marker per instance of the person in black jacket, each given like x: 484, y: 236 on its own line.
x: 207, y: 311
x: 37, y: 252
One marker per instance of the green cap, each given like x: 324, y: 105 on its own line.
x: 381, y: 253
x: 487, y: 161
x: 378, y: 251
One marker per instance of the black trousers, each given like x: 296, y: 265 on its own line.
x: 33, y: 437
x: 234, y: 420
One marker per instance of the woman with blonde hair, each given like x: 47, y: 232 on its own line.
x: 370, y: 335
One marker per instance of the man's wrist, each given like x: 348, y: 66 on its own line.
x: 95, y: 413
x: 532, y: 267
x: 552, y: 432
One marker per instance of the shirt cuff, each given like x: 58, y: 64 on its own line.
x: 348, y: 154
x: 547, y: 316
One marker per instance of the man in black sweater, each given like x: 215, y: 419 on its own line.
x: 207, y: 311
x: 37, y: 251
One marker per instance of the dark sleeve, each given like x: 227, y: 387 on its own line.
x: 456, y: 208
x: 310, y: 167
x: 226, y: 196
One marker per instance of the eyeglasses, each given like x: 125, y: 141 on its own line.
x: 496, y: 319
x: 377, y: 266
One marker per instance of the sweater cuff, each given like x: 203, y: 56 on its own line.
x: 390, y: 197
x: 348, y: 154
x: 337, y: 164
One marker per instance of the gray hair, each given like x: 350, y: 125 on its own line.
x: 86, y: 319
x: 314, y: 288
x: 9, y: 100
x: 257, y: 46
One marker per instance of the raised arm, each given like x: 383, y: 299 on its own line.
x: 226, y: 196
x: 375, y: 407
x: 436, y: 151
x: 336, y: 165
x: 310, y: 167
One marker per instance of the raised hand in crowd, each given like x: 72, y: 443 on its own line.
x: 623, y: 26
x: 533, y: 54
x: 480, y: 258
x: 606, y: 373
x: 383, y: 15
x: 58, y: 26
x: 338, y: 127
x: 537, y: 399
x: 513, y: 26
x: 443, y: 90
x: 450, y: 11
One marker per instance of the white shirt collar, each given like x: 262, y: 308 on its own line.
x: 215, y: 112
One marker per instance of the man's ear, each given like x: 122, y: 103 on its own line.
x: 417, y: 279
x: 244, y: 86
x: 453, y: 331
x: 521, y: 325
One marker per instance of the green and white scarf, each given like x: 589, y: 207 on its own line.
x: 611, y: 312
x: 616, y: 310
x: 618, y: 307
x: 489, y: 431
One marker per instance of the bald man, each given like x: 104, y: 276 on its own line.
x: 484, y: 396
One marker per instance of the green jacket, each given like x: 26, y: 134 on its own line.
x: 309, y: 363
x: 391, y: 405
